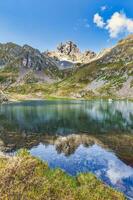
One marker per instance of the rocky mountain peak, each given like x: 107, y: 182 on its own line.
x: 70, y: 52
x: 68, y: 48
x: 89, y: 54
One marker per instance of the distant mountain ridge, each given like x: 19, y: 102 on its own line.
x: 67, y: 72
x: 69, y: 52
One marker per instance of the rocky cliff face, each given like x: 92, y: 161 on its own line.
x: 68, y: 48
x: 16, y: 62
x: 25, y: 56
x: 71, y: 53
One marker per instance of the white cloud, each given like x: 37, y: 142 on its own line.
x: 117, y: 171
x: 117, y: 24
x: 98, y: 20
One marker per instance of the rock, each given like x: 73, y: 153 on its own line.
x: 25, y: 56
x: 19, y: 60
x: 68, y: 48
x: 3, y: 97
x: 70, y: 52
x: 69, y: 144
x: 122, y: 52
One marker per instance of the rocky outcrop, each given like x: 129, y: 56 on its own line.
x: 69, y: 144
x: 32, y: 58
x: 3, y: 97
x: 87, y: 56
x: 68, y: 48
x: 70, y: 52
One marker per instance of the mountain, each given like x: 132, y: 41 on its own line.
x: 62, y: 73
x: 68, y: 55
x: 109, y: 74
x: 25, y: 56
x: 20, y: 64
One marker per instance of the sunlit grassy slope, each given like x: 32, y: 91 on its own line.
x: 77, y: 83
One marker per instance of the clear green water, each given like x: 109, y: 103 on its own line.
x: 66, y: 117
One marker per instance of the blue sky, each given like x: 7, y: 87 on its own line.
x: 45, y: 23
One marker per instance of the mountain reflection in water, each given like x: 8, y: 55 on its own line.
x: 66, y: 117
x: 78, y: 136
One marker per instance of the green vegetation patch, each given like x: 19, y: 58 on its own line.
x: 8, y: 73
x: 25, y: 177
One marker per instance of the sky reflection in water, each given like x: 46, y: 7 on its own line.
x: 62, y: 118
x: 104, y: 164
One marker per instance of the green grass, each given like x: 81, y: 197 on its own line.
x: 25, y: 177
x: 74, y: 84
x: 8, y: 74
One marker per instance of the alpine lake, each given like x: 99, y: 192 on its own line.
x: 77, y: 136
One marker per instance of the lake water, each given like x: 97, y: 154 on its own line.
x: 78, y: 136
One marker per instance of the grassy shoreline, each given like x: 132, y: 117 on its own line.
x: 26, y: 177
x: 19, y: 98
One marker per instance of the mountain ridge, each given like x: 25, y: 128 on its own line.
x: 109, y: 74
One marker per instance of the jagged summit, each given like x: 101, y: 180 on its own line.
x: 68, y: 48
x: 70, y: 52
